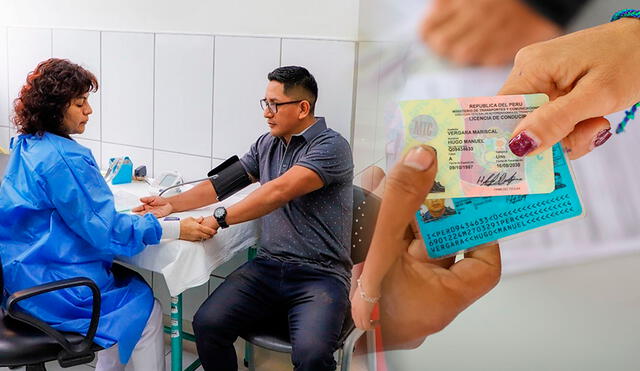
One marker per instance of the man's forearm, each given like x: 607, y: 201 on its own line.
x: 258, y: 203
x: 201, y: 195
x: 296, y: 182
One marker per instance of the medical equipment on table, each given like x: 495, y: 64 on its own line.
x: 167, y: 180
x: 140, y: 173
x: 227, y: 178
x: 120, y: 170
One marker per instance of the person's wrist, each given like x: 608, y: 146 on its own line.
x: 210, y: 220
x: 170, y: 204
x: 183, y: 231
x: 628, y: 18
x: 220, y: 216
x: 626, y: 31
x: 368, y: 292
x: 629, y: 27
x: 626, y: 13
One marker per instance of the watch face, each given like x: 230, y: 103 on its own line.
x: 219, y: 212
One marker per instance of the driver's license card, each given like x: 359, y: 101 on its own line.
x: 449, y: 226
x: 471, y: 138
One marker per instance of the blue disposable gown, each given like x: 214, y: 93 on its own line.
x: 58, y: 221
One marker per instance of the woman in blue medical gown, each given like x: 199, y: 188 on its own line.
x: 59, y: 221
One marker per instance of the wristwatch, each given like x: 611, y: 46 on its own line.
x: 220, y: 214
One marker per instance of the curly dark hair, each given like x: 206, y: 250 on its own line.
x: 47, y: 94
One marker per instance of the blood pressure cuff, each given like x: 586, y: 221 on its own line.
x: 229, y: 177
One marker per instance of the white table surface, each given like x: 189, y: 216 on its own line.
x: 187, y: 264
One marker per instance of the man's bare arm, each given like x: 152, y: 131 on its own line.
x: 296, y: 182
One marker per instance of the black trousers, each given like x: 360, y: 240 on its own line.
x: 264, y: 292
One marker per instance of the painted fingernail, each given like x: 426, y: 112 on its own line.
x: 419, y: 159
x: 601, y: 138
x: 522, y: 144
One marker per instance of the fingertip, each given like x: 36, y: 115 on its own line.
x: 587, y: 136
x: 420, y: 158
x: 524, y: 143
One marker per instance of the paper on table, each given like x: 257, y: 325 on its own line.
x: 125, y: 201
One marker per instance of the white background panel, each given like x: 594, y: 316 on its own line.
x: 381, y: 133
x: 366, y: 106
x: 214, y: 282
x: 216, y: 161
x: 138, y: 156
x: 191, y: 299
x: 249, y: 17
x: 385, y: 108
x: 127, y: 88
x: 364, y: 139
x: 12, y: 132
x: 332, y: 64
x: 241, y: 68
x: 227, y: 268
x: 4, y: 95
x: 93, y: 145
x: 183, y: 93
x: 4, y: 138
x: 27, y: 48
x: 190, y: 167
x: 83, y: 48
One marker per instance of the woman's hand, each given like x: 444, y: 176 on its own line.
x: 192, y: 229
x: 419, y: 295
x: 361, y: 309
x: 484, y: 32
x: 155, y: 205
x: 587, y: 75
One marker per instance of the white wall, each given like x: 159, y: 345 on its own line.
x: 177, y: 101
x: 180, y: 83
x: 189, y: 99
x: 329, y: 19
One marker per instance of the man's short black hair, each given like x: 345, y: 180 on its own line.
x: 293, y: 77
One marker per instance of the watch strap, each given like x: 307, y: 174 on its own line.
x: 222, y: 221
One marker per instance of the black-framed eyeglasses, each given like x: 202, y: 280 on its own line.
x: 273, y: 107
